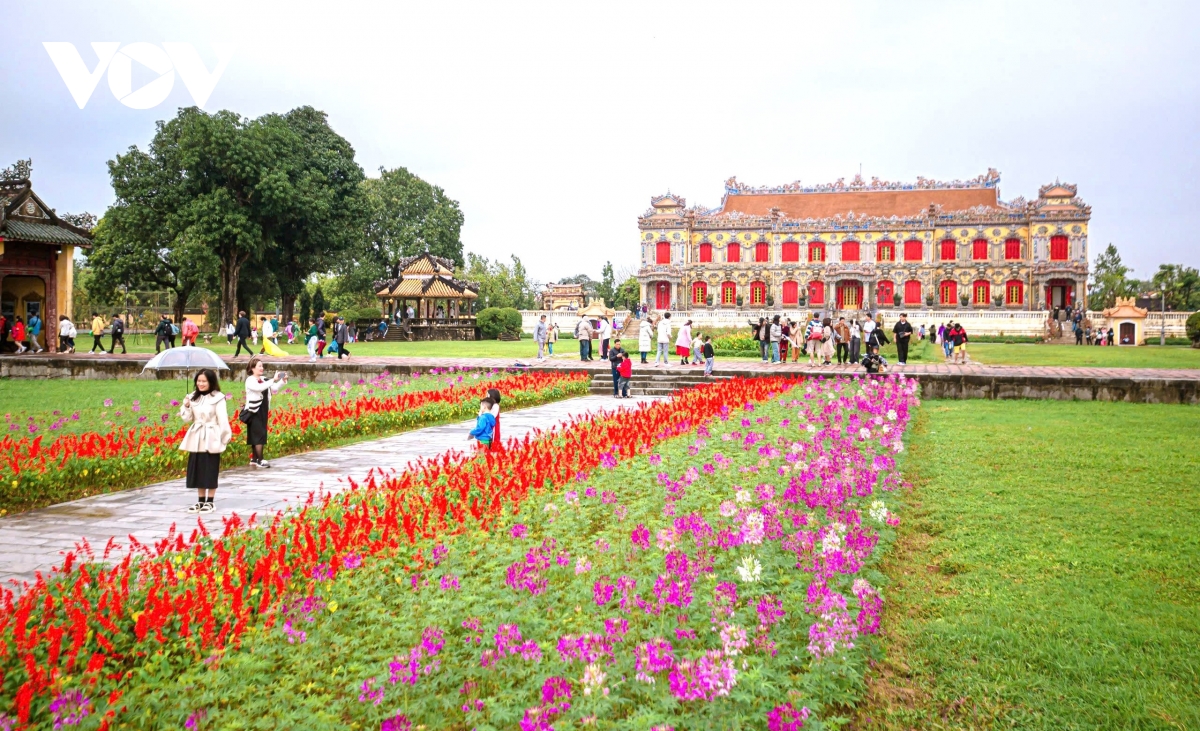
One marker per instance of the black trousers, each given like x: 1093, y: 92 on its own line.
x: 118, y: 339
x: 616, y: 379
x: 159, y: 341
x: 96, y: 344
x: 242, y: 344
x: 902, y: 350
x: 342, y: 349
x: 843, y: 352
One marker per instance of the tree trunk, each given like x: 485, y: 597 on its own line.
x: 288, y: 307
x: 180, y: 301
x: 231, y: 268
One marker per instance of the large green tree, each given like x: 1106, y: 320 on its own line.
x: 607, y: 288
x: 1110, y: 279
x: 1179, y: 283
x: 406, y: 215
x: 500, y: 285
x: 628, y: 295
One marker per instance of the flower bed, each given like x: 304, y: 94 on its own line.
x: 76, y: 465
x: 97, y: 630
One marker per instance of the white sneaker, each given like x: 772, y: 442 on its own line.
x: 207, y: 508
x: 264, y: 464
x: 196, y: 508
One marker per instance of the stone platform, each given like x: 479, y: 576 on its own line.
x: 1139, y: 385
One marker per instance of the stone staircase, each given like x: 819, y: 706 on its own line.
x: 649, y: 381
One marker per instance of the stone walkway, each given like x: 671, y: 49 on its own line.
x: 37, y: 540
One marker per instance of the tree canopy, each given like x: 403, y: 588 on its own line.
x: 1110, y: 279
x: 500, y: 285
x: 405, y: 216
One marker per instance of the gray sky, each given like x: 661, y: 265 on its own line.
x: 553, y: 124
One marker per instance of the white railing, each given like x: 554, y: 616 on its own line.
x: 979, y: 322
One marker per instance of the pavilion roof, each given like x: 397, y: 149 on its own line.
x: 436, y: 286
x: 25, y: 217
x: 426, y: 263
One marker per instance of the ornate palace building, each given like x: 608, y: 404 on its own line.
x: 861, y: 245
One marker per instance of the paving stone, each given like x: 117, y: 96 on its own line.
x: 37, y: 540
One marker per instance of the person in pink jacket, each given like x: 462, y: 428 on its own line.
x: 189, y: 331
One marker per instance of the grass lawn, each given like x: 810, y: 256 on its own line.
x: 1170, y: 356
x: 1041, y: 580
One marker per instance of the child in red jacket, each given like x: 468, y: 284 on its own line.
x: 625, y: 370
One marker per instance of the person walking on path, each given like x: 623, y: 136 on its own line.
x: 172, y: 332
x: 762, y: 335
x: 229, y: 330
x: 341, y: 335
x: 615, y: 353
x: 310, y: 342
x: 683, y: 343
x: 583, y: 333
x: 797, y: 342
x: 189, y: 331
x: 855, y: 341
x: 541, y: 334
x: 35, y: 329
x: 207, y: 412
x: 709, y: 356
x: 241, y: 331
x: 18, y: 334
x: 494, y: 395
x: 663, y: 339
x: 903, y: 331
x: 66, y: 335
x: 827, y: 348
x: 625, y: 371
x: 485, y: 425
x: 551, y: 338
x: 97, y: 333
x: 775, y: 334
x: 321, y: 332
x: 606, y: 332
x: 118, y: 335
x: 162, y: 334
x: 645, y: 338
x: 258, y: 407
x: 697, y: 348
x: 841, y: 333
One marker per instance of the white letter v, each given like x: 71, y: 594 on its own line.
x: 191, y: 69
x: 80, y: 82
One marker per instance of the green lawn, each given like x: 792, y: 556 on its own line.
x: 1045, y: 576
x: 1170, y: 356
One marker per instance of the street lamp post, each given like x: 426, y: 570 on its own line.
x: 1162, y: 299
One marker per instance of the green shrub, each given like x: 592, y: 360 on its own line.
x: 511, y: 318
x: 1192, y: 327
x: 490, y: 322
x: 369, y: 313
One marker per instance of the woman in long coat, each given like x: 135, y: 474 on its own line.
x: 206, y: 438
x: 827, y: 348
x: 258, y: 404
x: 645, y: 337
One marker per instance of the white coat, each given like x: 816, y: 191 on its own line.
x: 209, y: 417
x: 645, y: 336
x: 664, y: 330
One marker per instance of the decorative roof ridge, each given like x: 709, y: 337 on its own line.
x: 990, y: 179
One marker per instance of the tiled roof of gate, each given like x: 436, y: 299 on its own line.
x: 879, y: 203
x: 40, y: 233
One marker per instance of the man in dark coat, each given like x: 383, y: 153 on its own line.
x: 903, y: 331
x: 162, y: 334
x: 241, y: 331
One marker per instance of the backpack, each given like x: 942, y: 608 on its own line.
x: 174, y: 329
x: 118, y: 327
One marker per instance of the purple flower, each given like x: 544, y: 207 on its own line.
x: 165, y: 418
x: 449, y: 582
x: 555, y: 689
x: 399, y: 722
x: 518, y: 531
x: 641, y: 537
x: 439, y: 554
x: 655, y: 460
x: 322, y: 572
x: 652, y: 657
x: 108, y: 403
x: 69, y: 708
x: 608, y: 461
x: 193, y: 721
x: 351, y: 561
x: 602, y: 591
x: 620, y: 512
x: 786, y: 718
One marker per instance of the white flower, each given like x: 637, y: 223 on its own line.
x: 898, y: 446
x: 752, y: 529
x: 749, y: 570
x: 864, y: 433
x: 891, y: 415
x: 593, y: 678
x: 742, y: 496
x: 811, y: 429
x: 728, y: 509
x: 878, y: 511
x: 887, y: 429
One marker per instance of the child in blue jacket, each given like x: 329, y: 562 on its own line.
x: 485, y: 425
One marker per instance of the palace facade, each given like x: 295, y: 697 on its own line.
x: 867, y: 246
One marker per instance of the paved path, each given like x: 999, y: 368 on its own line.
x: 565, y: 362
x: 36, y: 540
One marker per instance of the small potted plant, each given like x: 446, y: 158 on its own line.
x: 929, y: 300
x: 998, y: 300
x: 965, y: 300
x: 770, y: 300
x: 740, y: 300
x: 896, y: 299
x: 708, y: 300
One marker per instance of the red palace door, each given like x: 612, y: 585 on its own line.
x: 662, y: 296
x: 1060, y: 293
x: 849, y: 295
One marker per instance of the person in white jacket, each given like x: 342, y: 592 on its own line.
x: 258, y: 405
x: 206, y: 438
x: 664, y: 340
x: 66, y: 334
x: 645, y: 338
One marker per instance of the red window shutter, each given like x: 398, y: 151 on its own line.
x: 705, y: 253
x: 850, y: 251
x: 1014, y: 292
x: 884, y: 291
x: 816, y: 251
x: 663, y: 253
x: 791, y: 251
x: 816, y: 293
x: 728, y: 293
x: 1012, y: 249
x: 912, y: 292
x: 733, y: 252
x: 761, y: 252
x: 699, y: 293
x: 979, y: 250
x: 912, y: 251
x: 886, y: 251
x: 981, y: 292
x: 948, y: 292
x: 949, y: 252
x: 1058, y: 248
x: 791, y: 293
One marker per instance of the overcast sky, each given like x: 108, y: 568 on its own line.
x: 554, y: 124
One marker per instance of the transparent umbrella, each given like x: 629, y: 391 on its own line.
x: 188, y: 358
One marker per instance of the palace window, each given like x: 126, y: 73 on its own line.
x: 1014, y: 292
x: 912, y: 251
x: 850, y: 251
x: 1058, y: 248
x: 791, y: 293
x: 728, y: 293
x: 791, y: 251
x: 816, y: 251
x: 981, y: 292
x: 663, y: 253
x: 948, y: 292
x: 1012, y: 249
x: 733, y: 252
x: 885, y: 291
x: 886, y: 251
x: 949, y: 247
x: 979, y: 250
x: 699, y: 293
x: 705, y: 253
x: 758, y: 293
x: 762, y: 251
x: 912, y: 292
x: 816, y: 293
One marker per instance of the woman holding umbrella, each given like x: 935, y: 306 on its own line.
x: 206, y: 438
x: 258, y: 405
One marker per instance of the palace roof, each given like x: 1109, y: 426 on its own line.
x: 25, y: 217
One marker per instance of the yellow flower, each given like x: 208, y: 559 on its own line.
x: 333, y: 606
x: 14, y: 483
x: 85, y: 473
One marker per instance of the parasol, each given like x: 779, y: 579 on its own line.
x: 187, y: 358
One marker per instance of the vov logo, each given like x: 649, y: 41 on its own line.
x: 118, y: 60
